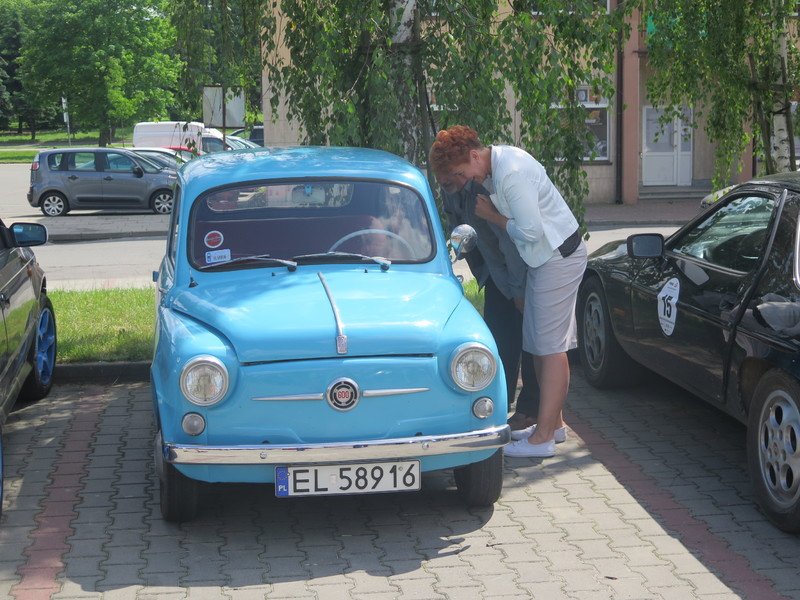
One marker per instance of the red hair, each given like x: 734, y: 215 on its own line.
x: 452, y: 147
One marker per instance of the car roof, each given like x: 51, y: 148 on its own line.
x: 255, y: 164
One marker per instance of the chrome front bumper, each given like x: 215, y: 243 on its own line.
x: 391, y: 449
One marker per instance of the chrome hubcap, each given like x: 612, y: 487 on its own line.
x: 594, y: 331
x: 778, y: 454
x: 53, y: 205
x: 162, y: 203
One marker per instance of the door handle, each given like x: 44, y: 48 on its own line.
x: 108, y: 178
x: 72, y: 177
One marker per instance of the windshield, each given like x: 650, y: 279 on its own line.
x: 313, y: 222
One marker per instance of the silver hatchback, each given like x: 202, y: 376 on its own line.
x: 98, y: 178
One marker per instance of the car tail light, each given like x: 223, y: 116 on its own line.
x: 35, y: 165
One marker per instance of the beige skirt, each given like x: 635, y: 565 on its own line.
x: 551, y: 291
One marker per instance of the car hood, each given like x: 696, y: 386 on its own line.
x: 290, y: 316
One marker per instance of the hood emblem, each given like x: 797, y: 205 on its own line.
x: 343, y: 394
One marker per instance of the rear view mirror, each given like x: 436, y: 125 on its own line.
x: 138, y: 171
x: 646, y: 245
x: 28, y: 234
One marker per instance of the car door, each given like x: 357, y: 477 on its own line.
x: 685, y: 305
x: 124, y: 185
x: 83, y: 181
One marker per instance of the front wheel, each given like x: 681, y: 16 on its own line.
x: 42, y: 356
x: 161, y: 202
x: 178, y: 494
x: 773, y: 456
x: 605, y: 363
x: 480, y: 483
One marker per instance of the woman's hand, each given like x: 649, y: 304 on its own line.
x: 486, y: 210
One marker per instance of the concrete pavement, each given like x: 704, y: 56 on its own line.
x: 647, y: 499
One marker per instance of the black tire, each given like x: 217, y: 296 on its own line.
x: 605, y: 363
x: 773, y: 448
x: 42, y: 355
x: 178, y: 494
x: 161, y: 202
x: 480, y: 484
x: 53, y: 204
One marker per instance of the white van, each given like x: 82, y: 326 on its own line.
x: 191, y: 135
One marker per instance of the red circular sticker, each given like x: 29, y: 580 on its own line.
x: 214, y: 239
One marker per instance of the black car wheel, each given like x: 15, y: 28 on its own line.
x: 178, y: 494
x: 53, y: 204
x: 161, y: 202
x: 605, y: 363
x: 481, y: 483
x: 42, y: 356
x: 773, y: 452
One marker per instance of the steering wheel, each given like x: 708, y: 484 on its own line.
x: 362, y: 232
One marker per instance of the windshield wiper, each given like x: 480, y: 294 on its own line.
x: 343, y: 257
x: 265, y: 258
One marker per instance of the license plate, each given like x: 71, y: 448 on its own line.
x: 358, y: 478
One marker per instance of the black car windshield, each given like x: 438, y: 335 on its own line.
x: 315, y: 222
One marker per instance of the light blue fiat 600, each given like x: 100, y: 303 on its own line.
x: 311, y: 334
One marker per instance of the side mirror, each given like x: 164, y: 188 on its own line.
x: 463, y: 239
x: 645, y: 245
x: 138, y: 171
x: 28, y: 234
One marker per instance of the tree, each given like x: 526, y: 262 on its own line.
x: 385, y: 74
x: 109, y: 58
x: 736, y: 62
x: 220, y: 44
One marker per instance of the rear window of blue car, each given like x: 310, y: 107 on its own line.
x: 290, y: 219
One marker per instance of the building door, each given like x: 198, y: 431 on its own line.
x: 667, y: 151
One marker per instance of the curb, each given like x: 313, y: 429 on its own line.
x: 102, y: 372
x: 61, y: 238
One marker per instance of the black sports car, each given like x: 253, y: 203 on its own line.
x: 714, y: 308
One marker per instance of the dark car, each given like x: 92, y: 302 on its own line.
x: 98, y: 178
x: 716, y: 309
x: 255, y: 134
x: 29, y: 326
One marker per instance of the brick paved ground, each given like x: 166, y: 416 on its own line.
x: 647, y: 499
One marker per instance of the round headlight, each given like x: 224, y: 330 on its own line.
x: 473, y: 367
x: 204, y: 380
x: 193, y: 424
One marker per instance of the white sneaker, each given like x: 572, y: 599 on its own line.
x: 523, y: 434
x: 523, y: 449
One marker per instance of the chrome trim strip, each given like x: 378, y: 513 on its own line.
x: 338, y: 452
x: 341, y: 338
x: 290, y: 398
x: 392, y: 392
x: 364, y: 394
x: 796, y: 257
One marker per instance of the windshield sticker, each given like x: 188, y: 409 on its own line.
x: 213, y: 239
x: 217, y: 256
x: 668, y: 305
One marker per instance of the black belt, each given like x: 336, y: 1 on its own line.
x: 570, y: 244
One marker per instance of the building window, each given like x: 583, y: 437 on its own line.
x: 596, y: 121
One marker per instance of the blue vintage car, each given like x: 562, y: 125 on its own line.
x: 311, y: 334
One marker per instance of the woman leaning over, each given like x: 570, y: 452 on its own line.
x: 525, y: 203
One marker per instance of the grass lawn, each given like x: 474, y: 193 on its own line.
x: 17, y: 156
x: 104, y: 325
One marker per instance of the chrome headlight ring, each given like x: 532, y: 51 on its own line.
x: 204, y: 380
x: 472, y: 366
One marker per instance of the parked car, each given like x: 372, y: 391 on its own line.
x: 166, y: 157
x: 714, y: 308
x: 255, y: 134
x: 311, y: 334
x: 238, y: 143
x: 98, y: 178
x: 28, y: 360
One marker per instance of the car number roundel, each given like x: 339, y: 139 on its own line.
x: 668, y: 305
x: 213, y: 239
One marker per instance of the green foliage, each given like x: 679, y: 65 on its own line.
x: 700, y: 53
x: 109, y: 58
x: 348, y: 81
